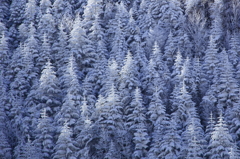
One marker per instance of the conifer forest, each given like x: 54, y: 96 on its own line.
x: 119, y: 79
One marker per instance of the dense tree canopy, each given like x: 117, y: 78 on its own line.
x: 119, y: 79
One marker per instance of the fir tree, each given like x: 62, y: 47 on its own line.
x: 44, y: 139
x: 64, y: 147
x: 221, y: 141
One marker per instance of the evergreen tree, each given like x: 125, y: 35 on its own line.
x: 177, y: 69
x: 184, y: 105
x: 118, y: 42
x: 64, y: 147
x: 49, y: 94
x: 216, y: 27
x: 221, y: 141
x: 111, y: 116
x: 47, y: 24
x: 160, y: 120
x: 209, y: 66
x: 112, y: 76
x: 234, y: 50
x: 128, y: 79
x: 5, y: 147
x: 32, y: 43
x: 234, y: 153
x: 17, y: 12
x: 171, y: 142
x: 5, y: 52
x: 27, y: 151
x: 193, y: 136
x: 30, y: 12
x: 4, y: 7
x: 62, y: 9
x: 45, y: 53
x: 209, y: 128
x: 59, y: 50
x: 136, y: 121
x: 112, y: 152
x: 45, y: 5
x: 44, y: 139
x: 170, y: 50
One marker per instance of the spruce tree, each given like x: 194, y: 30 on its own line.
x: 64, y: 147
x: 221, y: 141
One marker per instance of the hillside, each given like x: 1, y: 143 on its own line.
x: 119, y: 79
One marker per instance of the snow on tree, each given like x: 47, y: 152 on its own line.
x: 112, y: 76
x: 5, y: 147
x: 221, y: 141
x: 128, y: 79
x: 5, y: 52
x: 78, y: 45
x: 117, y: 34
x: 109, y: 124
x: 227, y: 87
x: 170, y: 50
x: 49, y: 94
x: 141, y: 61
x: 209, y: 66
x: 136, y: 112
x: 32, y: 43
x: 99, y: 107
x: 160, y: 120
x: 196, y: 74
x: 194, y: 144
x: 94, y: 79
x: 45, y: 5
x: 47, y: 26
x: 4, y: 7
x: 156, y: 109
x: 141, y: 141
x: 234, y: 50
x: 185, y: 45
x: 3, y: 29
x: 26, y: 150
x: 177, y: 69
x: 234, y: 153
x: 59, y: 50
x: 30, y: 12
x: 151, y: 81
x: 44, y: 139
x: 209, y: 128
x: 69, y: 111
x: 133, y: 32
x: 62, y: 9
x: 189, y: 4
x: 64, y: 147
x: 136, y: 122
x: 93, y: 7
x: 184, y: 104
x: 170, y: 145
x: 217, y: 27
x: 112, y: 152
x: 111, y: 113
x: 17, y: 11
x: 71, y: 76
x: 23, y: 32
x: 45, y: 53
